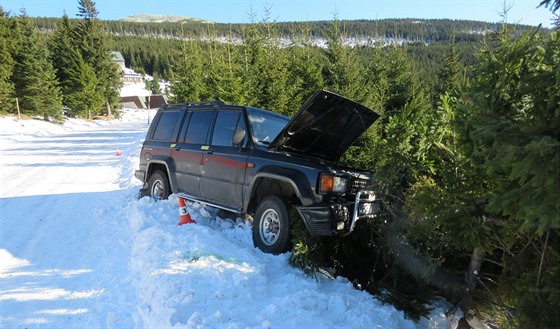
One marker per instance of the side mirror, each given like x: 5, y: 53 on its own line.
x: 238, y: 137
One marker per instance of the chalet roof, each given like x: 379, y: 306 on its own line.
x: 117, y: 56
x: 141, y: 102
x: 156, y: 101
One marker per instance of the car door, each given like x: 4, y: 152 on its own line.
x: 190, y: 149
x: 163, y: 133
x: 224, y: 164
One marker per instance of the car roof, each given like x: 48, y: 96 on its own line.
x: 206, y: 105
x: 217, y: 104
x: 259, y: 110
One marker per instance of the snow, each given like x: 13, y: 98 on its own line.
x: 78, y: 249
x: 134, y: 89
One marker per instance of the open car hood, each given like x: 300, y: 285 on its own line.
x: 325, y: 127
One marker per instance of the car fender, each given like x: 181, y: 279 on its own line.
x: 169, y: 165
x: 296, y: 178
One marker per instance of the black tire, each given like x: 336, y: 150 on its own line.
x: 158, y: 186
x: 271, y: 226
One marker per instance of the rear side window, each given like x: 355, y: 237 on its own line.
x: 199, y: 126
x: 224, y: 128
x: 165, y: 126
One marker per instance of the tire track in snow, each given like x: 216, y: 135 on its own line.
x: 62, y: 219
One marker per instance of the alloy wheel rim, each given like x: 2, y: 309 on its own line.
x: 157, y: 190
x: 270, y: 227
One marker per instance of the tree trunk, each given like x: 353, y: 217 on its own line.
x: 109, y: 114
x: 473, y: 271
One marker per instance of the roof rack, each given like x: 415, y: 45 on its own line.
x: 215, y: 103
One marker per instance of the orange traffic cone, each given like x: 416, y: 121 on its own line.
x: 118, y: 154
x: 184, y: 217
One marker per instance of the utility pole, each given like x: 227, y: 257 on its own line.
x: 149, y: 96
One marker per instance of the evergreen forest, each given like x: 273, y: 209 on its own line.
x: 466, y: 153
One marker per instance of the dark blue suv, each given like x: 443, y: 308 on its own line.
x: 260, y: 164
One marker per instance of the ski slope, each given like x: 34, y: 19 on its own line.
x: 78, y: 249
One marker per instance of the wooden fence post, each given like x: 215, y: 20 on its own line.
x: 17, y: 107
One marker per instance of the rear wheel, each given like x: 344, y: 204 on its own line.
x: 271, y: 226
x: 158, y: 186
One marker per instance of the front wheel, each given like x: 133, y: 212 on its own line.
x: 158, y: 186
x: 271, y: 226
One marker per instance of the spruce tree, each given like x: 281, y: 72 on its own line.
x: 82, y: 98
x: 514, y: 126
x: 93, y: 44
x: 304, y: 67
x: 227, y: 79
x: 34, y: 77
x: 7, y: 102
x: 253, y: 57
x: 494, y: 188
x: 450, y: 78
x: 273, y: 89
x: 154, y: 85
x: 63, y: 57
x: 187, y: 79
x: 342, y: 73
x: 511, y: 127
x: 397, y: 151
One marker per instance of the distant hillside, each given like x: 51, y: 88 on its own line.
x: 149, y: 18
x: 427, y: 31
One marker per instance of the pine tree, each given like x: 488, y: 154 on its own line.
x: 494, y: 188
x: 397, y: 150
x: 34, y: 77
x: 515, y: 129
x: 7, y: 102
x: 63, y: 57
x: 272, y: 76
x: 82, y: 98
x: 553, y: 4
x: 154, y: 85
x: 510, y: 127
x: 92, y: 42
x: 227, y: 77
x: 450, y: 78
x: 87, y: 9
x: 187, y: 80
x: 305, y: 68
x: 253, y: 57
x: 341, y: 72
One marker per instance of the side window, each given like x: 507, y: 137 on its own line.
x: 225, y: 127
x: 165, y: 126
x: 266, y: 126
x: 199, y: 125
x: 184, y: 127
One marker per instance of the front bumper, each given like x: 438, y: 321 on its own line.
x: 340, y: 218
x: 140, y: 174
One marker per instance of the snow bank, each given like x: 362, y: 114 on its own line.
x: 78, y: 249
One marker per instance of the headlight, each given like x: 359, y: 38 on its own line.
x: 329, y: 183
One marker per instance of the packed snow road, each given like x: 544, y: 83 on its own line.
x: 78, y: 249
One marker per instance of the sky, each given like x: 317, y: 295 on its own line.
x: 238, y: 11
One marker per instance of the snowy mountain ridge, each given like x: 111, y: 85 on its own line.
x: 151, y: 18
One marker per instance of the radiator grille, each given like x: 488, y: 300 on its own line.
x: 357, y: 184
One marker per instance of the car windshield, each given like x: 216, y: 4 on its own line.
x: 266, y: 126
